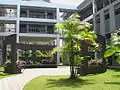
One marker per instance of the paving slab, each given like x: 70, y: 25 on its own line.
x: 17, y: 82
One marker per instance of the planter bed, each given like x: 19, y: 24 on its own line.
x: 91, y: 70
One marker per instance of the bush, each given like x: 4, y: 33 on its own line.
x: 8, y: 67
x: 98, y: 63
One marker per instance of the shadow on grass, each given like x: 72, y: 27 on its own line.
x: 112, y: 83
x: 115, y: 69
x: 62, y: 82
x: 116, y: 76
x: 5, y: 74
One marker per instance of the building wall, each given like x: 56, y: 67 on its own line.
x: 105, y: 15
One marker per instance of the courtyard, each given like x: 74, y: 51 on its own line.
x: 58, y: 79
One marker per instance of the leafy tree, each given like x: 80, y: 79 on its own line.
x: 73, y: 32
x: 114, y: 47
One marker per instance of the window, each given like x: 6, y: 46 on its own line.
x: 106, y: 14
x: 112, y: 0
x: 106, y: 2
x: 117, y: 11
x: 99, y: 5
x: 117, y: 8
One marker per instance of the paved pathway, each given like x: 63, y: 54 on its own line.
x: 17, y: 82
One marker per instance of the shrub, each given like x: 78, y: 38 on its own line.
x: 8, y: 67
x: 95, y: 63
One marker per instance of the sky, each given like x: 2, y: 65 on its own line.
x: 74, y: 2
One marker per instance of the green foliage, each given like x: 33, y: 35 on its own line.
x: 74, y: 31
x: 114, y: 47
x: 4, y: 75
x: 40, y: 54
x: 78, y: 60
x: 111, y: 50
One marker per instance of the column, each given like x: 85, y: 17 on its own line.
x: 94, y: 20
x: 102, y: 23
x: 46, y: 15
x: 46, y: 30
x: 58, y: 37
x: 58, y: 54
x: 94, y: 6
x: 94, y: 23
x: 27, y: 28
x: 57, y: 15
x: 18, y: 22
x: 1, y: 45
x: 112, y: 18
x: 18, y: 27
x: 28, y: 13
x: 54, y: 15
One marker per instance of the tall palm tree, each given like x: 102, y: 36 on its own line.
x: 74, y: 31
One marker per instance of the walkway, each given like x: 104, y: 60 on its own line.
x: 17, y: 82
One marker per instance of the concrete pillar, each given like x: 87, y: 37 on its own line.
x: 54, y: 15
x: 57, y: 15
x: 18, y: 27
x: 112, y: 18
x: 28, y: 13
x: 46, y: 29
x: 94, y: 21
x: 58, y: 54
x: 58, y: 37
x: 18, y: 22
x: 1, y: 60
x: 46, y: 15
x: 102, y: 23
x: 94, y: 6
x: 27, y: 28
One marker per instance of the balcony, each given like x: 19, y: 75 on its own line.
x: 29, y: 12
x: 7, y: 28
x: 33, y: 28
x: 8, y: 12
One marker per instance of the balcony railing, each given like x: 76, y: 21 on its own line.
x: 7, y: 29
x: 37, y: 15
x: 36, y: 30
x: 8, y: 14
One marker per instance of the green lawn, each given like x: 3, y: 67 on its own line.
x: 4, y: 75
x: 106, y: 81
x: 63, y: 66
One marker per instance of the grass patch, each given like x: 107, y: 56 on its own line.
x: 4, y: 75
x: 109, y: 80
x: 63, y: 66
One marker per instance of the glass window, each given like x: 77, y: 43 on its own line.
x: 106, y: 2
x: 112, y: 0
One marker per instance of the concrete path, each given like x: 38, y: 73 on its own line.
x: 17, y: 82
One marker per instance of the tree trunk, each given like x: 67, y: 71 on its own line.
x: 72, y: 69
x: 72, y: 72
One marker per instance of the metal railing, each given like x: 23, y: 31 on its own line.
x: 36, y: 30
x: 7, y: 29
x: 8, y: 14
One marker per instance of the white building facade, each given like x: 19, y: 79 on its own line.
x: 32, y: 20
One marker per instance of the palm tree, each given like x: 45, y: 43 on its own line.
x: 74, y: 31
